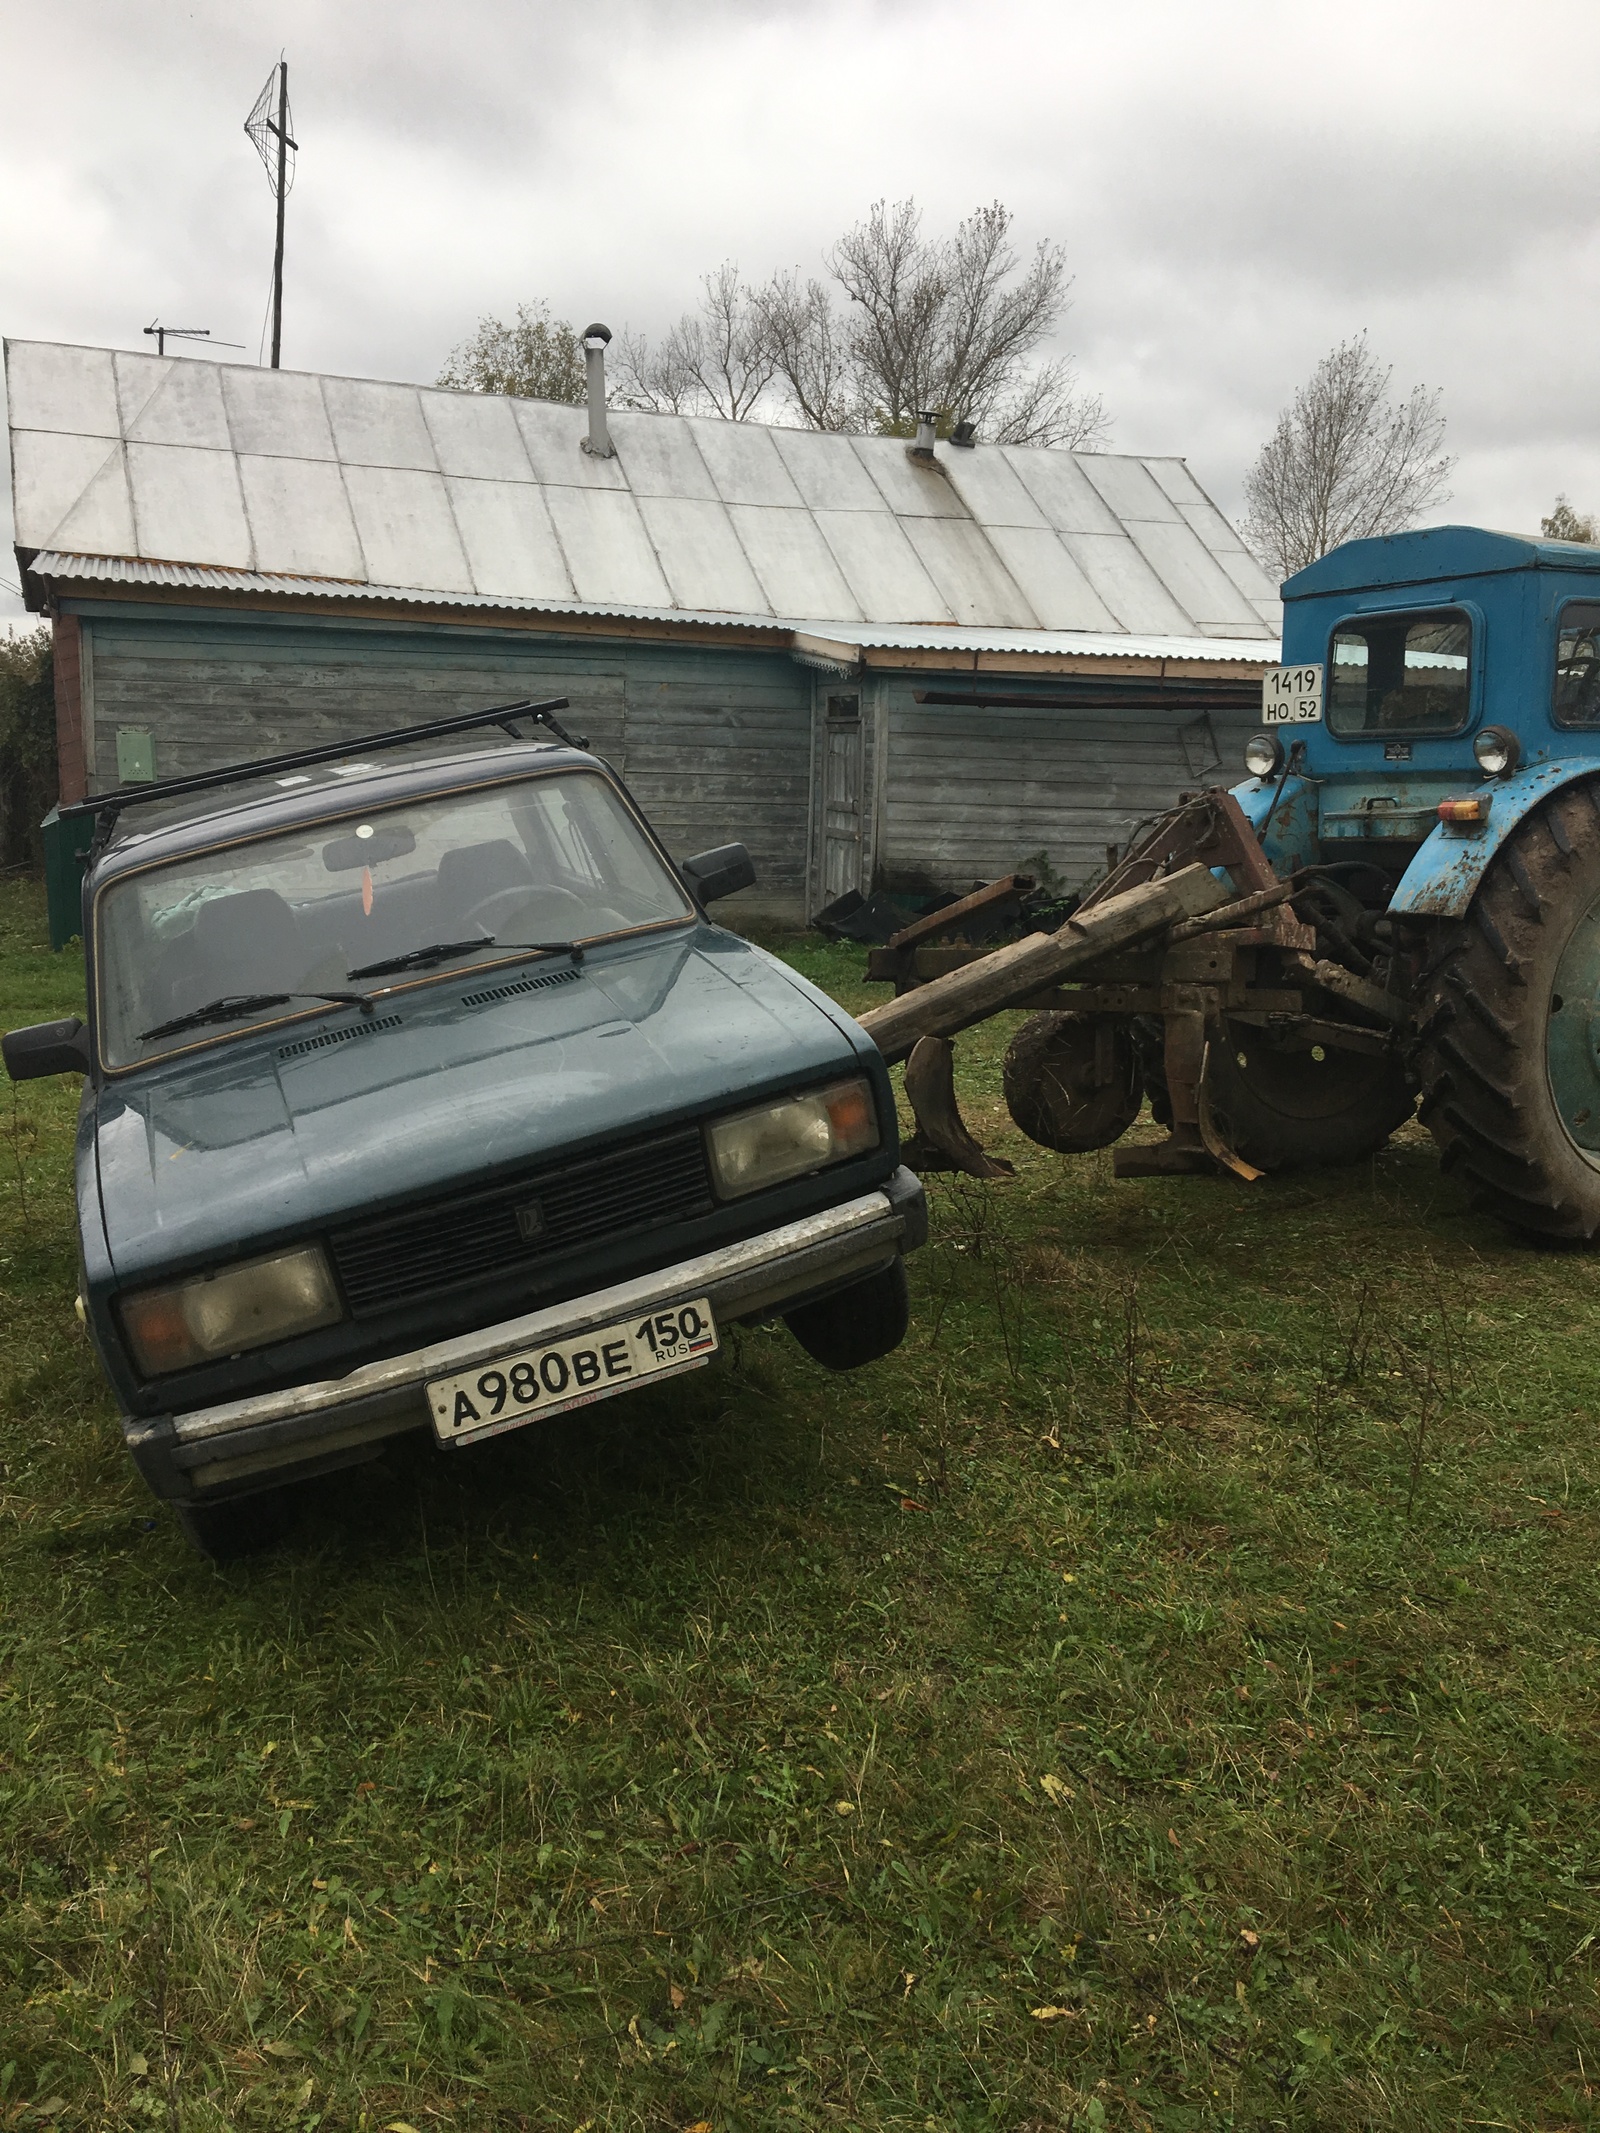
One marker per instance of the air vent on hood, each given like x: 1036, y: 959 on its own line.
x: 504, y: 992
x: 364, y: 1028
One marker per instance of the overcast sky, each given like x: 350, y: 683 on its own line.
x: 1238, y: 186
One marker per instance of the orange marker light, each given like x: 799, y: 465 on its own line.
x: 1464, y: 813
x: 366, y: 892
x: 850, y: 1115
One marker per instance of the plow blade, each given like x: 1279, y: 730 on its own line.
x: 942, y: 1141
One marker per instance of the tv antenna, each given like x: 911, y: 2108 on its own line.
x: 164, y: 334
x: 274, y: 145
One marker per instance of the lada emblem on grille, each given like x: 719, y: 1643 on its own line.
x: 530, y: 1220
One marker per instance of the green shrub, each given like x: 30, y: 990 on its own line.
x: 28, y: 780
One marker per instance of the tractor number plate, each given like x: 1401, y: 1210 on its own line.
x: 572, y: 1373
x: 1292, y: 696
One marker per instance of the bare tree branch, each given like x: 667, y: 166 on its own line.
x: 946, y: 324
x: 1344, y: 463
x: 809, y: 358
x: 949, y: 324
x: 716, y: 361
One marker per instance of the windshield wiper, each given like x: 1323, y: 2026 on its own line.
x: 230, y: 1006
x: 419, y: 958
x: 572, y: 948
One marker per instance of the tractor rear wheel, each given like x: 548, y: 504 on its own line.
x: 1305, y: 1109
x: 1510, y: 1028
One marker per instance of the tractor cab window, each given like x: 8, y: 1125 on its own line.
x: 1577, y: 698
x: 1393, y: 674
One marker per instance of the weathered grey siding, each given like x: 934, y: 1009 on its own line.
x: 971, y: 793
x: 715, y: 744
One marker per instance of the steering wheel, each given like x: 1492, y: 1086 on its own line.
x: 523, y: 913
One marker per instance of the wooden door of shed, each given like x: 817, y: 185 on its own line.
x: 841, y: 796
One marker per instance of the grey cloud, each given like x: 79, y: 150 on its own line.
x: 1238, y: 186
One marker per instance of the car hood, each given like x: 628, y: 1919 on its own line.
x: 269, y: 1136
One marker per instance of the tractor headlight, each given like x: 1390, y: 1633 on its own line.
x: 1263, y: 755
x: 1498, y: 751
x: 788, y: 1138
x: 239, y: 1307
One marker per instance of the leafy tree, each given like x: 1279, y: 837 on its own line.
x: 28, y: 781
x: 1345, y: 462
x: 1565, y: 524
x: 539, y: 358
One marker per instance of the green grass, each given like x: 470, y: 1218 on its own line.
x: 1163, y: 1695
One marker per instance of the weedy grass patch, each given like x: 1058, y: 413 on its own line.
x: 1162, y: 1696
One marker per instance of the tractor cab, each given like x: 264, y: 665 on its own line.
x: 1434, y: 685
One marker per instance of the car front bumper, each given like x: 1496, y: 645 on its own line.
x: 212, y: 1453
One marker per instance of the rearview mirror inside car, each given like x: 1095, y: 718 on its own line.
x: 723, y: 872
x: 46, y: 1048
x: 369, y: 845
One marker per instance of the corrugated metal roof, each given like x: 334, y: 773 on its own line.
x: 58, y: 568
x: 339, y: 488
x: 1258, y: 651
x: 808, y: 635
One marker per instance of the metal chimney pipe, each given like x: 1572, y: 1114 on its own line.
x: 598, y: 442
x: 927, y: 431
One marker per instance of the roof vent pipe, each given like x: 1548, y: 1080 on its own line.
x: 598, y: 442
x: 927, y: 431
x: 965, y: 434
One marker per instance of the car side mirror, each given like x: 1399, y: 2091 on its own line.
x: 723, y: 872
x: 46, y: 1048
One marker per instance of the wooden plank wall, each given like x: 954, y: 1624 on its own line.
x: 972, y: 793
x: 714, y: 744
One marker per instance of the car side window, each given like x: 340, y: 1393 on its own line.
x: 1394, y: 674
x: 1577, y: 690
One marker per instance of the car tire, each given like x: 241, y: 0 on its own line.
x: 248, y: 1526
x: 858, y: 1324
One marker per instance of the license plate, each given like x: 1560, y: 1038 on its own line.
x: 1292, y: 696
x: 537, y: 1382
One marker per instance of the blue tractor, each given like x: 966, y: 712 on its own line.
x: 1431, y: 754
x: 1412, y: 875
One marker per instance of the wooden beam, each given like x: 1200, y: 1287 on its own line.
x: 1010, y: 974
x: 71, y: 754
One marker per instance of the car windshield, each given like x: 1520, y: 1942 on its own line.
x: 1400, y: 674
x: 555, y: 858
x: 1577, y: 700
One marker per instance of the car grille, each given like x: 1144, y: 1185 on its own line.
x: 475, y: 1237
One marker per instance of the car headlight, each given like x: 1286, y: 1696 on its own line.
x: 1498, y: 751
x: 239, y: 1307
x: 1263, y: 753
x: 788, y: 1138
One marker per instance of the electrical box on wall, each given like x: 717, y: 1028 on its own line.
x: 136, y: 757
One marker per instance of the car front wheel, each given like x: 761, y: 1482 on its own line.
x: 247, y: 1526
x: 858, y: 1324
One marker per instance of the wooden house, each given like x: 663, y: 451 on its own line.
x: 878, y: 665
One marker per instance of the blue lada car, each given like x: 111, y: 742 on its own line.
x: 425, y: 1096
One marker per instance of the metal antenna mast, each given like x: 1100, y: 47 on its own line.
x: 273, y: 142
x: 164, y: 334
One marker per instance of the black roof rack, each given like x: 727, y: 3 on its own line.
x: 108, y: 805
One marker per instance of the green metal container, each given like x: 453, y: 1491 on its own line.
x: 66, y: 852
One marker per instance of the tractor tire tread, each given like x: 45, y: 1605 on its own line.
x: 1483, y: 1073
